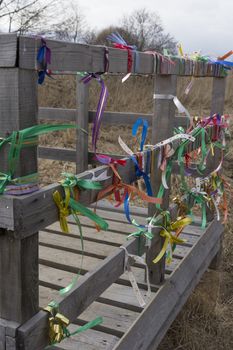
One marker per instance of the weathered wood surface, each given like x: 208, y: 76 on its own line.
x: 112, y: 118
x: 74, y: 57
x: 8, y: 53
x: 64, y: 154
x: 88, y: 340
x: 162, y: 128
x: 82, y: 280
x: 81, y: 158
x: 173, y: 294
x: 18, y: 258
x: 38, y: 210
x: 79, y: 298
x: 218, y: 95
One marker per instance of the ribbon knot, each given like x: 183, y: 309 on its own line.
x: 63, y: 207
x: 167, y: 228
x: 58, y: 324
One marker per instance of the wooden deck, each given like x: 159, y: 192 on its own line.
x: 60, y: 258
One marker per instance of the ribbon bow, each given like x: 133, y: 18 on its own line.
x: 167, y: 228
x: 58, y: 324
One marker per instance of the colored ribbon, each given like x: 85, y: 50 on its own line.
x: 120, y: 43
x: 18, y: 140
x: 43, y: 58
x: 58, y: 324
x: 100, y: 108
x: 168, y: 227
x: 130, y: 260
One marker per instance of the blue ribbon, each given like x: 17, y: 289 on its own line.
x: 140, y: 173
x: 127, y: 212
x: 144, y: 123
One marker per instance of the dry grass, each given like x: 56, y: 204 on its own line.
x: 206, y: 321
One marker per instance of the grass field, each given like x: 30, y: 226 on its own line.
x: 206, y: 321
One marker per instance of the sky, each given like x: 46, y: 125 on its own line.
x: 197, y: 24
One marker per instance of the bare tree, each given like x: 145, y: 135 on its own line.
x: 72, y: 26
x: 25, y: 16
x: 147, y: 31
x: 101, y: 37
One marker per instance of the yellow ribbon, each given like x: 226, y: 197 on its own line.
x: 58, y: 324
x: 182, y: 206
x: 179, y: 224
x: 180, y: 50
x: 63, y: 207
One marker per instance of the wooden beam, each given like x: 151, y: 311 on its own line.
x: 63, y: 154
x: 109, y: 118
x: 162, y: 128
x: 35, y: 331
x: 69, y: 155
x: 81, y: 156
x: 170, y: 298
x: 18, y: 258
x: 72, y: 57
x: 8, y: 53
x: 38, y: 210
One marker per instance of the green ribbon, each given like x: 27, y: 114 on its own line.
x: 58, y: 324
x: 20, y: 139
x: 69, y: 183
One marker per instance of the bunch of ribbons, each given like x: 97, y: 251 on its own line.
x: 18, y: 140
x: 58, y: 325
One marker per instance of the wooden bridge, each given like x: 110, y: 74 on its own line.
x: 34, y: 266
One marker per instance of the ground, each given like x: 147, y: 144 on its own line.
x: 206, y: 321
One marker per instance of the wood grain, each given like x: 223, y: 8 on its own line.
x: 19, y: 258
x: 8, y: 53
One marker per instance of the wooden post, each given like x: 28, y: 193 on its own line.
x: 18, y: 257
x: 217, y: 106
x: 162, y: 128
x: 82, y: 121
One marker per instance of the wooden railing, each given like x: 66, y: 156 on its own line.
x: 21, y: 322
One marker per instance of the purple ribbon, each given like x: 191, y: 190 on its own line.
x: 100, y: 108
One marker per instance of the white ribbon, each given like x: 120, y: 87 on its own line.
x: 125, y: 147
x: 101, y: 177
x: 128, y: 269
x: 176, y: 101
x: 125, y: 77
x: 171, y: 139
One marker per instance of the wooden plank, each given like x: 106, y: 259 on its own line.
x: 63, y: 154
x: 109, y: 118
x: 71, y: 244
x: 18, y: 273
x: 68, y: 154
x: 162, y: 128
x: 34, y: 331
x: 49, y: 113
x: 90, y: 235
x: 171, y: 297
x: 10, y: 327
x: 2, y: 338
x: 116, y: 320
x: 72, y: 57
x: 8, y: 54
x: 18, y: 258
x: 38, y: 209
x: 89, y: 340
x: 11, y: 343
x: 82, y: 121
